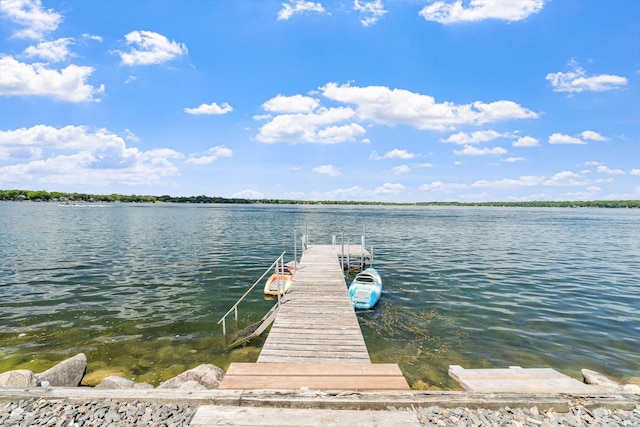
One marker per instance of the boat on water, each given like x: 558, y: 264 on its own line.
x: 280, y: 281
x: 365, y: 290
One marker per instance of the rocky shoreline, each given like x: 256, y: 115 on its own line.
x: 70, y: 372
x: 138, y: 411
x: 111, y: 413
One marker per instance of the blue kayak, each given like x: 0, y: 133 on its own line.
x: 365, y: 290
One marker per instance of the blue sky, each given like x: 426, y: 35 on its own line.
x: 387, y: 100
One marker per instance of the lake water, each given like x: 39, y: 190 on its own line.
x: 140, y: 288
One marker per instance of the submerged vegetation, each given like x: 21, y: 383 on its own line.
x: 56, y: 196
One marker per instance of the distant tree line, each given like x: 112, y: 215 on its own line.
x: 547, y: 204
x: 56, y: 196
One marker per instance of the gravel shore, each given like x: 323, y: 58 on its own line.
x: 110, y: 413
x: 526, y: 417
x: 41, y: 412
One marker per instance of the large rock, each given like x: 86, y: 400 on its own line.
x: 67, y: 373
x: 114, y: 381
x: 18, y: 378
x: 206, y: 375
x: 597, y: 379
x: 604, y: 382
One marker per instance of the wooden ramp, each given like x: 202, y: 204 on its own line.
x: 315, y: 341
x: 517, y: 380
x: 320, y: 376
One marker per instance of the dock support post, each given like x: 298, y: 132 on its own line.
x: 342, y: 256
x: 348, y: 255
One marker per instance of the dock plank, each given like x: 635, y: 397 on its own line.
x: 318, y: 376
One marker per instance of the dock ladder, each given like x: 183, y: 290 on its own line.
x: 242, y: 336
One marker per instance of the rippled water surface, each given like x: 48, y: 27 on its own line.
x: 140, y: 288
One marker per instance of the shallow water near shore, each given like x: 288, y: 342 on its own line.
x: 140, y: 288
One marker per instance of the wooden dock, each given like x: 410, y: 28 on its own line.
x: 315, y: 341
x: 517, y: 380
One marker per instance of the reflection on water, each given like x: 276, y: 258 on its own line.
x: 140, y: 288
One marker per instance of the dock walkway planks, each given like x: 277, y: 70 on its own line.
x: 315, y: 341
x: 316, y: 322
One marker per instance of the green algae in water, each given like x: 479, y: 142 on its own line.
x: 420, y: 342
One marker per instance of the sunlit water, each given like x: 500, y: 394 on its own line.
x: 140, y: 288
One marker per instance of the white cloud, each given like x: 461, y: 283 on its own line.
x: 320, y: 126
x: 442, y: 187
x: 209, y: 109
x: 450, y: 12
x: 389, y: 188
x: 259, y: 117
x: 291, y: 104
x: 513, y: 159
x: 327, y: 170
x: 130, y: 136
x: 52, y: 51
x: 401, y: 170
x: 464, y: 138
x: 558, y: 138
x: 577, y: 80
x: 30, y: 15
x: 398, y: 106
x: 295, y: 7
x: 592, y: 136
x: 609, y: 171
x: 526, y: 141
x: 372, y: 11
x: 336, y: 134
x: 300, y: 119
x: 351, y: 193
x: 635, y: 172
x: 68, y: 84
x: 150, y: 48
x: 561, y: 179
x: 211, y: 155
x: 566, y: 178
x: 92, y: 37
x: 248, y: 194
x: 78, y: 155
x: 469, y: 150
x: 393, y: 154
x: 508, y: 184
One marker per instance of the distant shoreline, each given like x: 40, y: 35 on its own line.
x: 62, y: 197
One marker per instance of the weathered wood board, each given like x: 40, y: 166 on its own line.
x: 210, y: 415
x: 517, y: 380
x: 319, y: 376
